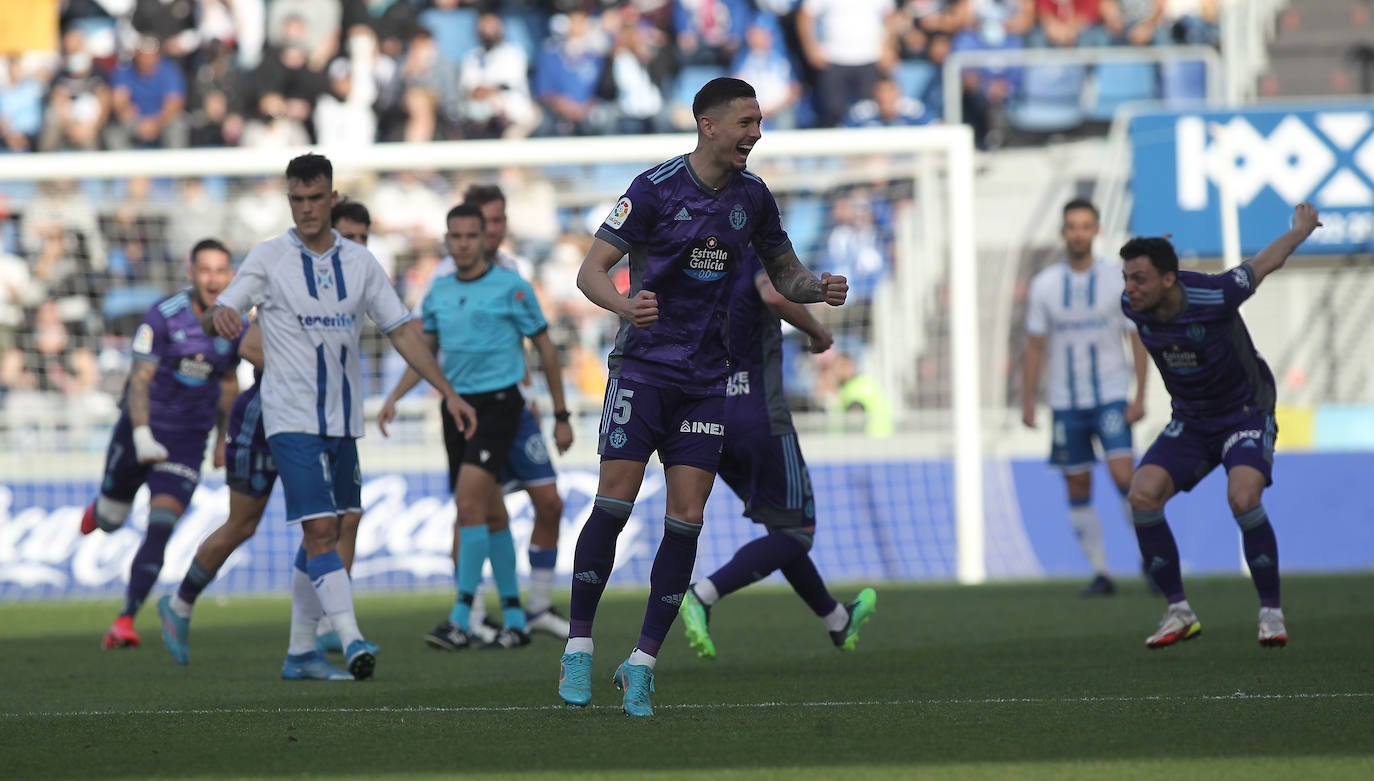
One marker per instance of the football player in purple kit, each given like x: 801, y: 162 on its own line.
x: 685, y: 225
x: 182, y: 384
x: 1223, y: 413
x: 763, y: 464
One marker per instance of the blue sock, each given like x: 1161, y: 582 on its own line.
x: 474, y: 547
x: 502, y: 552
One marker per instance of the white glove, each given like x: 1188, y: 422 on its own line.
x: 148, y: 449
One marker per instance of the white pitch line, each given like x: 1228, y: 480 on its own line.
x: 404, y: 709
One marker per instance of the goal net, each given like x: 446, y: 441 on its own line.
x: 89, y: 241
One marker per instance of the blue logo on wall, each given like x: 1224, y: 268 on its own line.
x: 1273, y: 158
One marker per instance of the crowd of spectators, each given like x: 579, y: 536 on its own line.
x: 80, y: 262
x: 175, y: 73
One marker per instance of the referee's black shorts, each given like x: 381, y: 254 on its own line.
x: 498, y: 420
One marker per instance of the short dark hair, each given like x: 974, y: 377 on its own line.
x: 480, y: 195
x: 719, y: 91
x: 309, y: 167
x: 466, y: 209
x: 350, y: 210
x: 1081, y: 203
x: 207, y: 244
x: 1158, y: 249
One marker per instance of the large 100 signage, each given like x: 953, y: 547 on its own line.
x: 1277, y: 159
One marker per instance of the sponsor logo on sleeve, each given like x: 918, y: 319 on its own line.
x: 143, y: 339
x: 620, y: 213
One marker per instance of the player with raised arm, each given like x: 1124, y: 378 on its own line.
x: 1223, y: 413
x: 762, y: 463
x: 528, y: 465
x: 1074, y: 337
x: 181, y: 385
x: 685, y: 225
x: 311, y: 288
x: 250, y: 475
x: 479, y: 318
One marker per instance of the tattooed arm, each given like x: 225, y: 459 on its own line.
x: 796, y: 283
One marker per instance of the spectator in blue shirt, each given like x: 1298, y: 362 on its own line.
x: 566, y: 76
x: 887, y: 108
x: 149, y: 94
x: 21, y: 108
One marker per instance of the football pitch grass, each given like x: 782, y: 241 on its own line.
x: 1002, y: 681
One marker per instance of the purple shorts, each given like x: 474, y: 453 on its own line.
x: 769, y: 474
x: 686, y: 429
x: 176, y: 477
x: 1189, y: 449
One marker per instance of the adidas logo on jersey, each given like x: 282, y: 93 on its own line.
x: 682, y: 215
x: 589, y: 577
x: 694, y: 427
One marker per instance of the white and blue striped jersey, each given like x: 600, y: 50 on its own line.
x: 1079, y: 314
x: 309, y: 309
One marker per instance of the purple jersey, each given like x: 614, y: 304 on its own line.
x: 686, y: 243
x: 185, y: 391
x: 1204, y: 354
x: 754, y: 391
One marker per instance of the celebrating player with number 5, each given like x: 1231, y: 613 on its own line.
x: 685, y: 225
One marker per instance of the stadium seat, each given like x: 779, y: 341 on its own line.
x: 1122, y: 82
x: 804, y: 218
x: 690, y: 79
x: 1183, y: 81
x: 916, y: 78
x: 1050, y: 99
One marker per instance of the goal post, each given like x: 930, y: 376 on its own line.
x: 926, y: 305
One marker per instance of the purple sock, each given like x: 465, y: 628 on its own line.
x: 755, y: 560
x: 1262, y: 554
x: 668, y: 581
x: 147, y: 565
x: 197, y: 578
x: 1159, y: 552
x: 806, y: 580
x: 593, y: 560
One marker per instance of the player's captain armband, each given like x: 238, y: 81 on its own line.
x: 621, y: 211
x: 143, y: 339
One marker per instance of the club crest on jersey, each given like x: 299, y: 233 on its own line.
x: 708, y: 261
x: 1197, y: 331
x: 617, y: 438
x: 222, y: 345
x: 620, y: 213
x: 324, y: 278
x: 737, y: 217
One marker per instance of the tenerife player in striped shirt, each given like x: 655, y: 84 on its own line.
x: 251, y: 474
x: 312, y: 289
x: 685, y: 225
x: 1223, y: 398
x: 1076, y: 335
x: 182, y: 384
